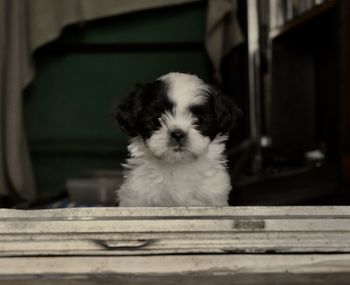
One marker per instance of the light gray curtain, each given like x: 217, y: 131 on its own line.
x: 222, y: 32
x: 25, y: 25
x: 15, y: 72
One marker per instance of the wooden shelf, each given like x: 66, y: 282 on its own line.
x: 302, y: 19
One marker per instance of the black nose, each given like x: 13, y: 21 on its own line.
x: 178, y: 135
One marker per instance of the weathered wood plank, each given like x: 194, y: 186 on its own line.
x: 170, y: 212
x: 142, y: 247
x: 189, y: 279
x: 239, y: 236
x: 174, y: 225
x: 213, y: 264
x: 113, y: 231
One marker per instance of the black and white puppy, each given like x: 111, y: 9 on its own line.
x: 178, y: 126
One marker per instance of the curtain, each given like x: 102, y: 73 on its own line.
x: 223, y: 31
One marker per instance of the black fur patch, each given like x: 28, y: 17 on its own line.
x: 217, y: 115
x: 139, y: 112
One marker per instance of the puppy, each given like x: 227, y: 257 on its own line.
x: 178, y: 126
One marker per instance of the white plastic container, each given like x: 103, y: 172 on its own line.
x: 98, y: 190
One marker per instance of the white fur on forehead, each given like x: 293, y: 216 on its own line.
x: 185, y: 90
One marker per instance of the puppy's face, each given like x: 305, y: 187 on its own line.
x: 177, y: 116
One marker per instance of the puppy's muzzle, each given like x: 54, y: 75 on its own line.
x: 178, y: 137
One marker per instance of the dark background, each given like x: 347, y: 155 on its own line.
x: 304, y: 88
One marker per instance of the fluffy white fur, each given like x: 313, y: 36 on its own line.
x: 158, y: 175
x: 152, y: 182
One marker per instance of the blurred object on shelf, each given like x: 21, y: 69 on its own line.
x: 97, y: 189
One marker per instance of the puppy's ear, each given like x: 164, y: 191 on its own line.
x: 127, y: 112
x: 227, y: 112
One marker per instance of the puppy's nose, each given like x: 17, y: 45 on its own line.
x: 178, y: 135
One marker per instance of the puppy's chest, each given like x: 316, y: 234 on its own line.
x: 182, y: 180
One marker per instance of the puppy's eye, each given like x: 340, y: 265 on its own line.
x: 156, y: 120
x: 198, y: 120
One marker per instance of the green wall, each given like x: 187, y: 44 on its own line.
x: 83, y: 75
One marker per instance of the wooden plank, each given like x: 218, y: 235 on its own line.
x: 154, y: 231
x: 187, y: 279
x: 195, y: 264
x: 174, y: 225
x: 172, y: 212
x: 173, y: 246
x: 217, y: 236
